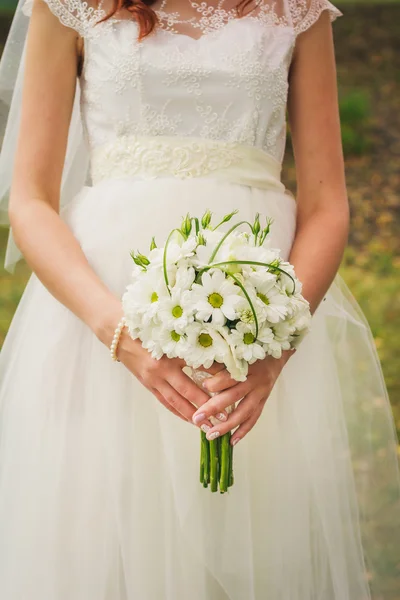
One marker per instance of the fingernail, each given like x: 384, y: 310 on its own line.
x: 235, y: 441
x: 199, y: 418
x: 213, y: 436
x: 205, y: 428
x: 204, y: 385
x: 221, y: 417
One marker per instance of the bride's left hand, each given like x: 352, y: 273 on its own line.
x: 252, y: 394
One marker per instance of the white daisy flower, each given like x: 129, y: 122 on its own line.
x: 215, y: 298
x: 245, y: 343
x: 172, y: 343
x: 204, y: 253
x: 204, y: 346
x: 141, y: 299
x: 270, y: 300
x: 175, y: 312
x: 149, y: 338
x: 184, y: 278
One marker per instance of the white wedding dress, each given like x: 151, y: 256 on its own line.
x: 100, y: 496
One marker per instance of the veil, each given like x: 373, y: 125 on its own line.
x: 76, y: 166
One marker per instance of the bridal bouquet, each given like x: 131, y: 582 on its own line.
x: 210, y: 295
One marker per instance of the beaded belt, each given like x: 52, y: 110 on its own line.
x: 185, y: 158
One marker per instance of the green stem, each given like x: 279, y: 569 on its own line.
x: 228, y: 233
x: 214, y: 465
x: 206, y: 450
x: 249, y: 262
x: 231, y: 478
x: 202, y: 457
x: 196, y: 224
x: 225, y: 463
x: 253, y: 310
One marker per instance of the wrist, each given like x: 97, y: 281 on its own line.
x: 105, y: 323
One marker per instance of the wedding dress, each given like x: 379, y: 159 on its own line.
x: 99, y: 486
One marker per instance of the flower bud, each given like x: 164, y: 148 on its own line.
x: 201, y: 240
x: 186, y: 226
x: 143, y: 259
x: 274, y: 267
x: 206, y: 219
x: 153, y: 244
x: 229, y: 216
x: 257, y: 226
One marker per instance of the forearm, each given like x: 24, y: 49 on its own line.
x: 57, y: 259
x: 320, y: 240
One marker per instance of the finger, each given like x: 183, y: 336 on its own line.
x: 215, y: 368
x: 220, y: 382
x: 218, y: 403
x: 247, y: 426
x: 180, y: 404
x: 163, y: 401
x: 249, y: 405
x: 186, y: 387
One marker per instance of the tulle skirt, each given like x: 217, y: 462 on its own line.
x: 100, y: 496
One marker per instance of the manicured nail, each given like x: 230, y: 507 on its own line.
x: 205, y: 428
x: 213, y: 436
x: 235, y: 441
x: 204, y: 385
x: 221, y: 417
x: 199, y: 418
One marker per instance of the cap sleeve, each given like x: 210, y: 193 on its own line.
x: 76, y: 14
x: 307, y: 12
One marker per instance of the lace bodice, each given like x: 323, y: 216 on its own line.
x: 229, y: 85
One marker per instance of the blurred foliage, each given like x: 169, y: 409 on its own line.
x: 355, y: 114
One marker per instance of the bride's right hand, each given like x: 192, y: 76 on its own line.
x: 164, y: 378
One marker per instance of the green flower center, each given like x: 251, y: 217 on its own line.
x: 177, y: 312
x: 247, y: 316
x: 175, y: 336
x: 216, y: 300
x: 263, y: 298
x: 249, y: 338
x: 205, y: 340
x: 154, y: 297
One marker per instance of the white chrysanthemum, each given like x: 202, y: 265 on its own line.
x: 178, y: 253
x: 184, y: 278
x: 266, y: 335
x: 149, y: 338
x: 141, y: 299
x: 237, y: 367
x: 215, y: 298
x: 289, y: 285
x: 204, y: 253
x: 204, y: 346
x: 175, y: 312
x: 275, y: 340
x: 245, y: 343
x: 270, y: 301
x: 172, y: 343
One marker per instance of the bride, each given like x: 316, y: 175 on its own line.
x: 125, y: 116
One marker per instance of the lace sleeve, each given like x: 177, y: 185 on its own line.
x: 306, y: 12
x: 77, y: 14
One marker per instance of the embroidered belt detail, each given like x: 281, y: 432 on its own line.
x: 185, y: 158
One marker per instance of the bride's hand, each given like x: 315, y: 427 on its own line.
x: 164, y: 378
x: 252, y: 394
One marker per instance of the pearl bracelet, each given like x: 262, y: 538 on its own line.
x: 116, y: 338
